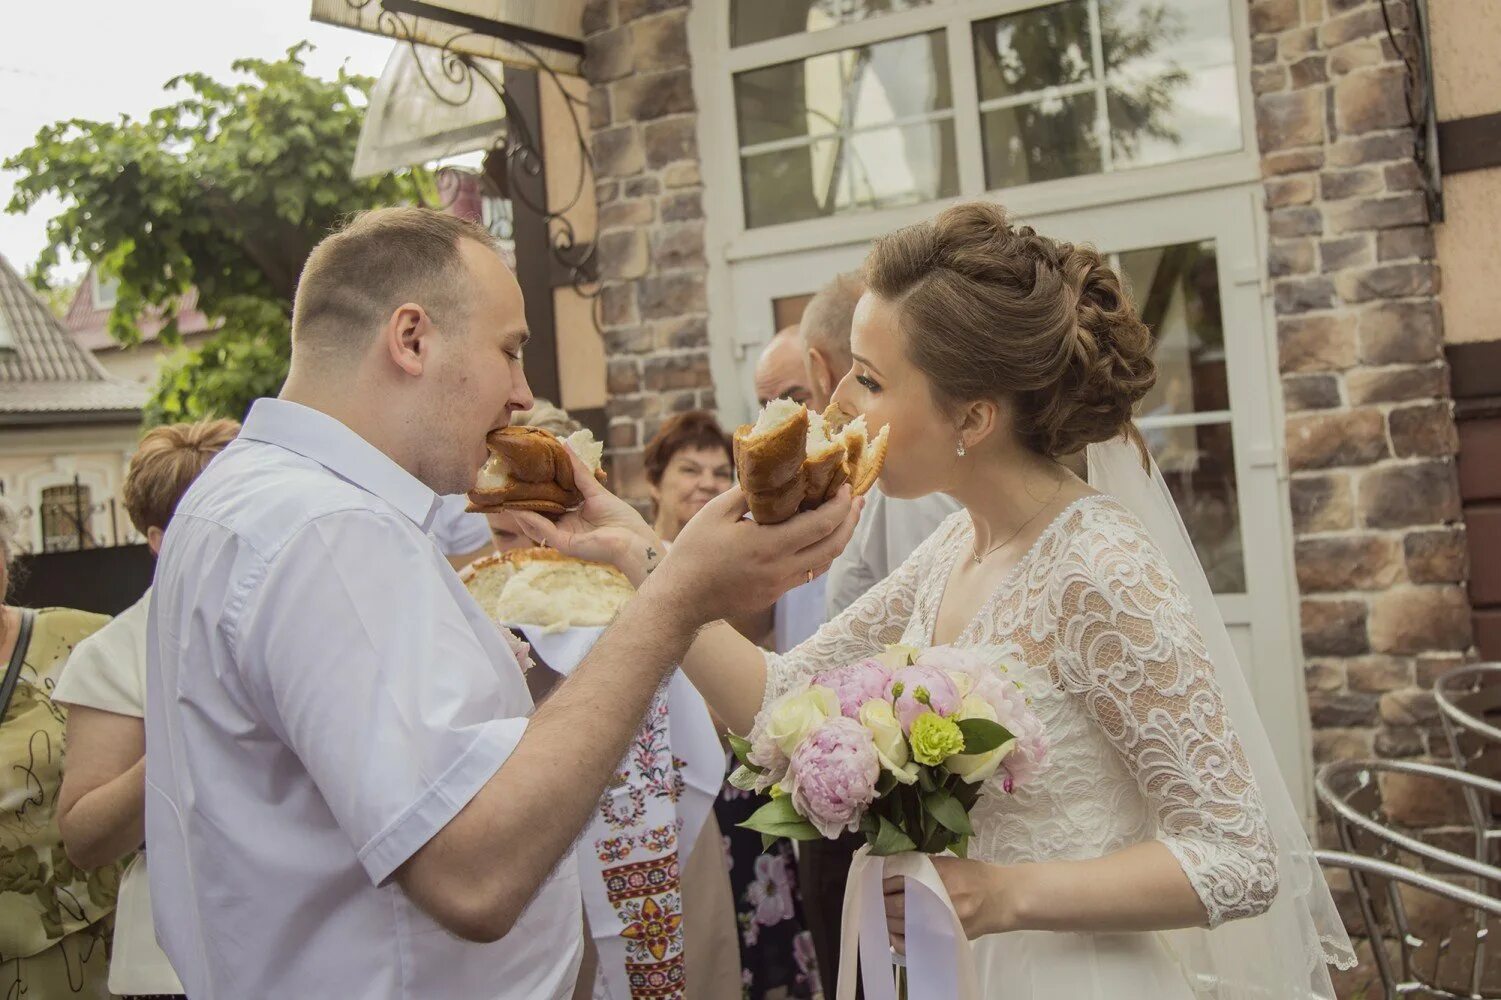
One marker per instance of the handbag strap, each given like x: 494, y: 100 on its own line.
x: 17, y: 658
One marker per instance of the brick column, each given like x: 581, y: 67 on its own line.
x: 651, y: 228
x: 1380, y: 550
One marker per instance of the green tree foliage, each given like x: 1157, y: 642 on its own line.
x: 227, y: 190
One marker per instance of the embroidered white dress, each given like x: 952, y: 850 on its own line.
x: 1105, y: 643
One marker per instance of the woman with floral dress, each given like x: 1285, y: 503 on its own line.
x: 55, y: 919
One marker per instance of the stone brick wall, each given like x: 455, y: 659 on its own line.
x: 1379, y: 549
x: 651, y: 223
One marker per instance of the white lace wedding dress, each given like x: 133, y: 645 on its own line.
x: 1101, y: 635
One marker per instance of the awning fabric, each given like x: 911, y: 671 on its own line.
x: 409, y: 123
x: 522, y: 33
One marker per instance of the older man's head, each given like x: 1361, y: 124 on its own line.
x: 780, y: 372
x: 825, y: 332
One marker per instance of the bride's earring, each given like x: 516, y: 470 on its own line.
x: 960, y: 450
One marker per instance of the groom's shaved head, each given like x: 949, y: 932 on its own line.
x: 379, y: 260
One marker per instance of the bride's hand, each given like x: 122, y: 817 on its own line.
x: 605, y: 529
x: 978, y: 891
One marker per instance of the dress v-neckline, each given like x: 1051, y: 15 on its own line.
x: 987, y: 607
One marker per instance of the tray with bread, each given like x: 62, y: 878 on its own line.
x: 793, y: 459
x: 529, y: 469
x: 546, y: 589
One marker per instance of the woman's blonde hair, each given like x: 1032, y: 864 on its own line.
x: 165, y: 464
x: 990, y: 310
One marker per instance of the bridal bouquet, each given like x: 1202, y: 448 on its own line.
x: 896, y: 747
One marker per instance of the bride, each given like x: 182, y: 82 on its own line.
x: 1160, y: 856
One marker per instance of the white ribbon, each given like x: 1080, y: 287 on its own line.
x: 940, y: 963
x: 692, y: 739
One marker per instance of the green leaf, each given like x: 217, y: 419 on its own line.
x: 741, y: 748
x: 943, y: 807
x: 885, y: 783
x: 960, y: 847
x: 982, y: 735
x: 925, y: 778
x: 743, y: 778
x: 778, y: 818
x: 890, y: 839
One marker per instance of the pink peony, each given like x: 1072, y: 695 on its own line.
x: 855, y: 684
x: 989, y: 681
x: 1026, y: 761
x: 938, y: 689
x: 832, y: 776
x: 519, y: 648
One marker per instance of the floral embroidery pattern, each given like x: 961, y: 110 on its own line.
x: 648, y: 899
x: 651, y: 927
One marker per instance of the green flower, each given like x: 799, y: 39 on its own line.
x: 934, y: 738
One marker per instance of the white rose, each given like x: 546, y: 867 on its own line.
x: 977, y: 767
x: 896, y: 657
x: 794, y: 716
x: 878, y: 717
x: 963, y: 682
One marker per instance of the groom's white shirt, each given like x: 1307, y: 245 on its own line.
x: 323, y: 697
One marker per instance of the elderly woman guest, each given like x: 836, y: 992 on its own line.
x: 688, y: 463
x: 101, y: 810
x: 54, y: 916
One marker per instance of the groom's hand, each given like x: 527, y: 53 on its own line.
x: 724, y: 565
x: 605, y: 529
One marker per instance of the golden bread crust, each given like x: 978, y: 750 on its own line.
x: 539, y: 470
x: 780, y: 477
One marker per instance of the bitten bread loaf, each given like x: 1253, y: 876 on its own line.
x: 545, y: 588
x: 792, y: 460
x: 529, y: 469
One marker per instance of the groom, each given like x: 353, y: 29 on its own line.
x: 348, y: 794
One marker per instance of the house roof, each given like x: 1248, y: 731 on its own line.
x: 45, y: 376
x: 89, y: 321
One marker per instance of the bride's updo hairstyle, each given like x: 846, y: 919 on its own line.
x: 995, y: 311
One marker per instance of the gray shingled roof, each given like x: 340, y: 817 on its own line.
x: 44, y: 375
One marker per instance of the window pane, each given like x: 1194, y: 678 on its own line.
x: 1177, y: 294
x: 758, y: 20
x: 861, y: 128
x: 1027, y: 52
x: 874, y: 169
x: 1165, y: 70
x: 65, y: 512
x: 854, y: 88
x: 1176, y: 290
x: 1054, y: 137
x: 1199, y: 466
x: 1174, y: 93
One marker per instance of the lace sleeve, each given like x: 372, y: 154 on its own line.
x: 1130, y: 648
x: 866, y: 627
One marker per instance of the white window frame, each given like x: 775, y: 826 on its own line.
x: 97, y: 294
x: 716, y: 63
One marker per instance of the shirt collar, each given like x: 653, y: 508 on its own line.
x: 316, y: 435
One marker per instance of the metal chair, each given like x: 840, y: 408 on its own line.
x: 1469, y: 704
x: 1439, y: 952
x: 1425, y: 962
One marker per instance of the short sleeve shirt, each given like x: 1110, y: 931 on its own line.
x: 323, y: 697
x: 458, y: 530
